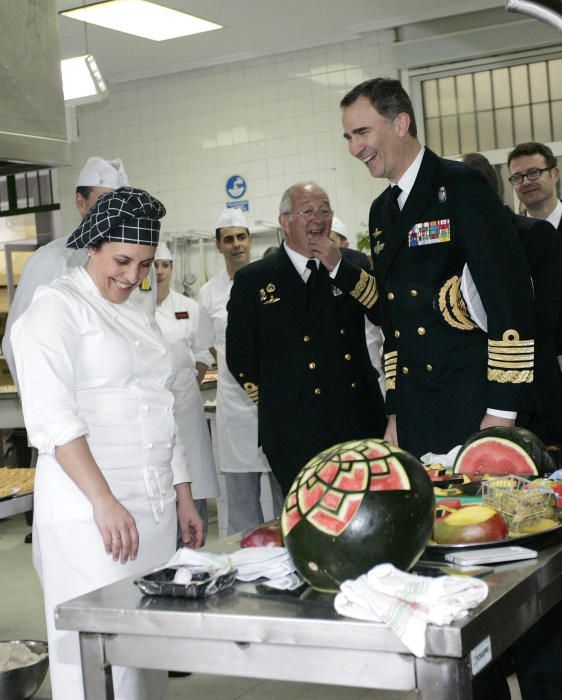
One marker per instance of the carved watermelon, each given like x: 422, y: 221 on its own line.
x: 503, y: 450
x: 356, y: 505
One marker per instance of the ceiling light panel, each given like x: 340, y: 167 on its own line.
x: 141, y: 18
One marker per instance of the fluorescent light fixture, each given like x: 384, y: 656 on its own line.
x: 141, y: 18
x: 81, y: 80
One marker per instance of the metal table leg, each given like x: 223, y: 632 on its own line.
x: 443, y: 679
x: 98, y: 680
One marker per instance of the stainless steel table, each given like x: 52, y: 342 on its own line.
x: 276, y: 637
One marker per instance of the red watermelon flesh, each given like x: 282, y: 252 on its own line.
x: 493, y: 455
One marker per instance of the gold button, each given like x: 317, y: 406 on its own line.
x: 421, y: 330
x: 405, y: 370
x: 241, y: 374
x: 306, y: 339
x: 429, y: 368
x: 312, y: 365
x: 347, y: 356
x: 413, y: 292
x: 317, y: 391
x: 396, y: 334
x: 354, y: 385
x: 390, y: 296
x: 342, y: 331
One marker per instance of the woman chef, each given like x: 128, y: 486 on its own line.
x: 94, y: 374
x: 177, y: 316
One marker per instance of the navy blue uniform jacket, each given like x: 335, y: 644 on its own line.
x: 441, y: 376
x: 308, y: 369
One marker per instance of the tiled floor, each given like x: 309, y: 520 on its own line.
x: 22, y: 617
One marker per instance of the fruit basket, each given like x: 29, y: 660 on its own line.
x: 519, y: 500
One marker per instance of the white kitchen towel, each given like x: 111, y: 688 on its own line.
x: 216, y: 564
x: 407, y: 603
x: 251, y: 563
x: 262, y: 562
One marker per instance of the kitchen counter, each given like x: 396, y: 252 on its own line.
x: 275, y: 636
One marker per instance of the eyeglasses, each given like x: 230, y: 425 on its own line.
x: 532, y: 174
x: 323, y: 213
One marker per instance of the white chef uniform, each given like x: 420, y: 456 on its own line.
x: 237, y: 416
x: 177, y: 317
x: 88, y: 367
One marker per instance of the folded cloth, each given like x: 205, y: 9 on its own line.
x: 446, y: 460
x: 262, y: 562
x: 216, y: 564
x: 251, y: 563
x: 285, y: 583
x: 407, y: 603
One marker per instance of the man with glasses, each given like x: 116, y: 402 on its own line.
x: 444, y: 380
x: 295, y: 339
x: 534, y: 176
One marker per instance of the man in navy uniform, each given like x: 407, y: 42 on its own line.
x: 295, y: 340
x: 444, y: 380
x: 543, y: 248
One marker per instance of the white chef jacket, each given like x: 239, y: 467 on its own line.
x: 237, y: 416
x: 177, y: 317
x: 48, y: 263
x: 88, y: 367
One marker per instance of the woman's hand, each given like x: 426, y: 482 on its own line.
x: 189, y: 520
x: 117, y: 527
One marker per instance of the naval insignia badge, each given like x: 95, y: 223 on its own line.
x: 377, y: 232
x: 378, y: 248
x: 267, y: 294
x: 442, y: 194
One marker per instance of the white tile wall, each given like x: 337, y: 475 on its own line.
x: 274, y: 120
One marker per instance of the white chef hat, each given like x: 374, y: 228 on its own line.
x: 339, y: 227
x: 163, y: 252
x: 98, y: 172
x: 231, y: 216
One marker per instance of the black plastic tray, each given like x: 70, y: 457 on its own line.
x: 202, y: 585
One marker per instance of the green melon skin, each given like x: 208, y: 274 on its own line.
x: 390, y: 526
x: 522, y: 450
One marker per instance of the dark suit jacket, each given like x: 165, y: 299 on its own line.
x: 543, y: 248
x: 307, y: 368
x: 441, y: 377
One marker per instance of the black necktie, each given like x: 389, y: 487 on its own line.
x: 393, y: 208
x: 312, y: 280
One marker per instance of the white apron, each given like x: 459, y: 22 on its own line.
x: 188, y: 408
x: 90, y: 367
x: 237, y: 416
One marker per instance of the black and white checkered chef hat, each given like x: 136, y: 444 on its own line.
x: 127, y: 215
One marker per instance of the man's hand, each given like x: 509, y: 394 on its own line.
x: 489, y: 420
x: 391, y: 434
x: 326, y: 251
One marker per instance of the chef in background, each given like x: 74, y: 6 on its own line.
x: 241, y: 461
x: 177, y: 317
x: 54, y: 260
